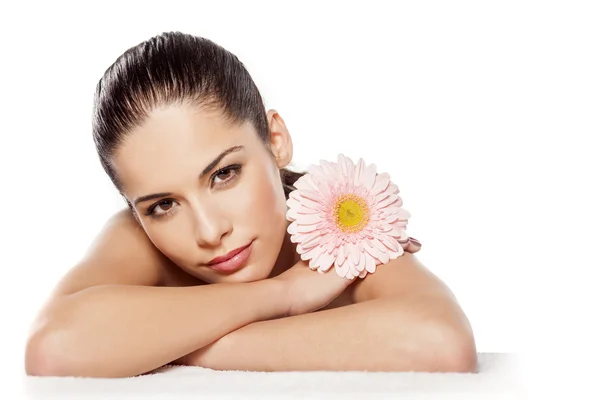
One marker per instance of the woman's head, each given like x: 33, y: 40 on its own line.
x: 164, y: 112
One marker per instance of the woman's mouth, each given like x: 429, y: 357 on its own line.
x: 234, y: 263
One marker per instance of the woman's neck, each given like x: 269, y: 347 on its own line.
x: 288, y: 256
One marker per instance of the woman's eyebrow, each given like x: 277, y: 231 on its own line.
x: 206, y: 170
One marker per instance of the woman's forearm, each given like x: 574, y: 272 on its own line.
x: 124, y: 330
x: 377, y: 335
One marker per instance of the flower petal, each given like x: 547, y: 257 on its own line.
x: 397, y: 254
x: 358, y: 171
x: 313, y: 263
x: 354, y: 254
x: 370, y: 177
x: 305, y: 182
x: 341, y: 257
x: 387, y: 201
x: 370, y: 264
x: 387, y: 241
x: 361, y: 264
x: 325, y: 261
x: 381, y: 182
x: 342, y: 270
x: 311, y: 194
x: 312, y: 253
x: 350, y: 274
x: 396, y: 231
x: 377, y: 244
x: 373, y: 252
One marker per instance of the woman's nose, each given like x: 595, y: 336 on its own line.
x: 210, y: 225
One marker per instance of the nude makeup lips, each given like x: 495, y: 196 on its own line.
x: 232, y: 261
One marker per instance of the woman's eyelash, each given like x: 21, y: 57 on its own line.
x: 235, y: 168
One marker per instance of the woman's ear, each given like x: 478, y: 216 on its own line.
x: 280, y: 139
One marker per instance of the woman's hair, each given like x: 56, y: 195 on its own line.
x: 175, y: 68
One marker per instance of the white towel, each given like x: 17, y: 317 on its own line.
x: 498, y: 377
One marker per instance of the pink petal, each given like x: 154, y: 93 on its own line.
x: 387, y: 201
x: 340, y: 257
x: 303, y: 210
x: 363, y: 273
x: 358, y: 171
x: 313, y: 263
x: 396, y: 231
x: 342, y: 270
x: 370, y: 264
x: 330, y: 245
x: 381, y: 182
x: 377, y: 244
x: 338, y: 241
x: 397, y: 254
x: 351, y: 168
x: 390, y: 218
x: 382, y: 227
x: 304, y: 228
x: 342, y: 164
x: 354, y: 254
x: 383, y: 195
x: 350, y: 274
x: 390, y: 243
x: 312, y: 253
x: 361, y: 264
x: 370, y: 177
x: 293, y: 228
x: 392, y: 188
x: 316, y: 170
x: 373, y: 252
x: 311, y: 241
x: 385, y: 257
x: 403, y: 236
x: 291, y: 215
x: 325, y: 262
x: 309, y: 219
x: 311, y: 194
x: 305, y: 183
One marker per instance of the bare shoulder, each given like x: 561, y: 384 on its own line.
x: 121, y: 253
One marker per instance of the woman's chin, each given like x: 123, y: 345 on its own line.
x: 250, y: 273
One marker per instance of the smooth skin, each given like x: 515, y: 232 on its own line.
x: 145, y: 278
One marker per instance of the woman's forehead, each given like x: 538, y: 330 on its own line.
x: 176, y: 140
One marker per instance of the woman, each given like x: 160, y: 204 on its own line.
x: 181, y: 130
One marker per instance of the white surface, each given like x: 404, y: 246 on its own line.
x: 499, y: 376
x: 484, y: 113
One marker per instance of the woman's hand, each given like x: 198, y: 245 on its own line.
x: 306, y: 290
x: 412, y: 246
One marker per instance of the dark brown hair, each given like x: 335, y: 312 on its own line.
x: 175, y: 68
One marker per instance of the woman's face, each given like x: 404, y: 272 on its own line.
x: 206, y: 210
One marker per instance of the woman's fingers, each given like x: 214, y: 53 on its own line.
x: 412, y: 246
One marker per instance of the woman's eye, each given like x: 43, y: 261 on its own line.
x: 223, y: 172
x: 227, y: 174
x: 159, y: 206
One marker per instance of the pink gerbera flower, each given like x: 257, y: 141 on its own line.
x: 346, y: 215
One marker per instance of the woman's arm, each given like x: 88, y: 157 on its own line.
x: 378, y: 335
x: 405, y: 318
x: 127, y: 330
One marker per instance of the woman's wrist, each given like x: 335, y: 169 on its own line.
x: 272, y: 299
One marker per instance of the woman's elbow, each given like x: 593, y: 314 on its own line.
x: 37, y: 360
x: 462, y: 354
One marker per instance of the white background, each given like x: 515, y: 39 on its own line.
x: 484, y: 113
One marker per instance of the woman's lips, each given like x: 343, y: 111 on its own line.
x: 234, y: 263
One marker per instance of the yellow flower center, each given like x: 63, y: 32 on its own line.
x: 351, y: 213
